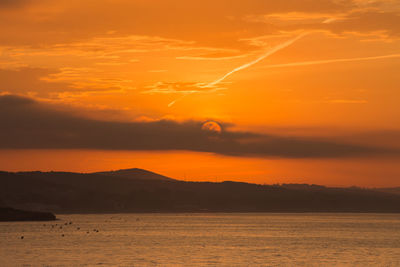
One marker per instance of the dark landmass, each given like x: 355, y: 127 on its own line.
x: 136, y: 174
x: 136, y: 190
x: 12, y: 215
x: 393, y: 190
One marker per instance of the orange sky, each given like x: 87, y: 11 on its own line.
x: 293, y: 69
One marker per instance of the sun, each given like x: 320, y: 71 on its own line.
x: 211, y: 126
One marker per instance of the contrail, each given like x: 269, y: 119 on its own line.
x: 178, y: 99
x: 327, y: 61
x: 245, y: 66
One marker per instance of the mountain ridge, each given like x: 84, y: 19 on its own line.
x: 135, y: 173
x: 100, y: 192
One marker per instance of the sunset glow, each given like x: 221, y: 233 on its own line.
x: 254, y: 91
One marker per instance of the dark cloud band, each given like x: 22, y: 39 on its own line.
x: 28, y: 124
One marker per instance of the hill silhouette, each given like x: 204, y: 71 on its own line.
x: 136, y: 190
x: 135, y: 173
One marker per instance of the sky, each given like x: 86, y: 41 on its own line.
x: 290, y: 91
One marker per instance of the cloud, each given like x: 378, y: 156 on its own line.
x: 380, y: 18
x: 368, y: 22
x: 210, y: 58
x: 358, y: 22
x: 51, y: 82
x: 112, y: 49
x: 180, y: 88
x: 200, y: 20
x: 157, y: 71
x: 293, y: 18
x: 213, y: 84
x: 13, y: 3
x: 93, y: 64
x: 218, y: 56
x: 88, y: 80
x: 260, y: 58
x: 26, y: 79
x: 348, y: 101
x: 28, y: 124
x: 183, y: 88
x: 329, y: 61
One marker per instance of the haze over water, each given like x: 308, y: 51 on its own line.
x: 258, y: 239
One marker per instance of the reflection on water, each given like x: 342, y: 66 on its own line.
x: 204, y: 239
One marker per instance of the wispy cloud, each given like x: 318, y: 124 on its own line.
x: 245, y: 66
x: 264, y: 56
x: 182, y: 88
x: 101, y: 63
x: 179, y: 88
x: 157, y: 71
x: 293, y: 18
x: 327, y: 61
x: 348, y: 101
x: 211, y: 58
x: 88, y: 79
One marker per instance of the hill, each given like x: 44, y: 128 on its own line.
x: 135, y: 174
x: 63, y: 192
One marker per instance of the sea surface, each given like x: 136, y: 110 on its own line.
x: 258, y: 239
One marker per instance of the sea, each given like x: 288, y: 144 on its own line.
x: 204, y: 239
